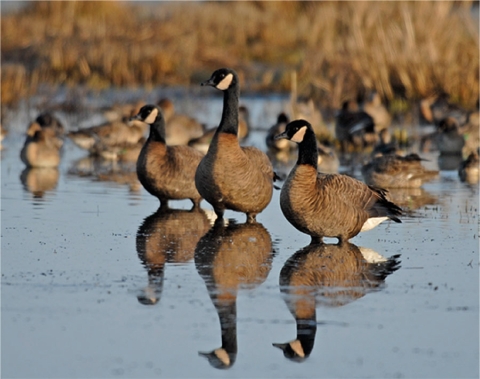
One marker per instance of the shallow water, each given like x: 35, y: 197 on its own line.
x: 96, y: 284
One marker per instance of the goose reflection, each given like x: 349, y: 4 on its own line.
x: 39, y: 180
x: 167, y: 236
x: 411, y: 198
x: 104, y: 170
x: 228, y: 258
x: 330, y: 276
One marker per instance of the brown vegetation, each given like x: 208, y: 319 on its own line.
x: 338, y: 49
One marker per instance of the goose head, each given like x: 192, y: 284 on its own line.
x: 222, y: 79
x: 295, y: 131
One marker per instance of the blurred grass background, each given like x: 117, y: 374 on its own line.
x: 338, y: 49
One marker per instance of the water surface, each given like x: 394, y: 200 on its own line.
x: 96, y: 283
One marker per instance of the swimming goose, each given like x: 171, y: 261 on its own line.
x: 230, y: 176
x: 328, y: 205
x: 395, y: 171
x: 330, y: 276
x: 166, y: 172
x: 41, y: 147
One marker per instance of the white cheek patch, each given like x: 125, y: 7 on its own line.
x: 298, y: 136
x: 152, y: 116
x: 225, y: 83
x: 223, y: 356
x: 297, y: 348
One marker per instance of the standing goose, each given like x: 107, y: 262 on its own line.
x: 328, y: 205
x: 230, y: 176
x: 166, y: 172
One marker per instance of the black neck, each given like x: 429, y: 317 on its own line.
x: 157, y: 130
x: 229, y: 122
x: 227, y: 313
x: 307, y: 150
x: 306, y: 330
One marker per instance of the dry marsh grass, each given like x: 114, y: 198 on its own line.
x: 402, y: 49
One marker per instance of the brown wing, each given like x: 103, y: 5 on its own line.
x: 358, y: 195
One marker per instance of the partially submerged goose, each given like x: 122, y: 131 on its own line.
x: 328, y: 205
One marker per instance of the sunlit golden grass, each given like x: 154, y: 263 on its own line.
x: 338, y: 49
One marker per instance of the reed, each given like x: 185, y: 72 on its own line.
x: 404, y: 50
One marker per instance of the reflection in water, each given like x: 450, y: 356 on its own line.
x: 228, y: 258
x: 410, y: 198
x: 39, y: 180
x: 107, y: 171
x: 330, y: 276
x: 169, y: 236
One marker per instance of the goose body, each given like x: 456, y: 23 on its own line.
x: 166, y: 172
x: 230, y: 176
x: 395, y: 171
x: 41, y: 147
x: 328, y: 205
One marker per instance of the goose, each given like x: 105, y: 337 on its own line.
x: 41, y: 147
x: 166, y: 172
x: 328, y: 205
x: 230, y: 176
x: 330, y: 276
x: 395, y: 171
